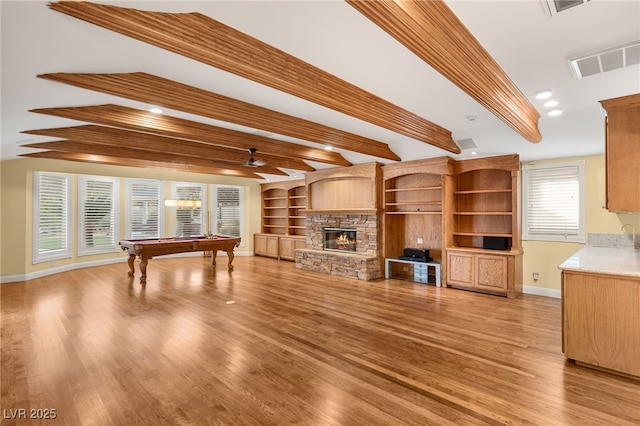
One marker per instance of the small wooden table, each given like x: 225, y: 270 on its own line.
x: 147, y: 248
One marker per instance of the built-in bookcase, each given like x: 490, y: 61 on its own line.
x: 283, y: 219
x: 414, y: 204
x: 274, y: 211
x: 483, y: 207
x: 485, y: 252
x: 297, y: 200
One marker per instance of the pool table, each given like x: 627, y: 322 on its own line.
x: 147, y: 248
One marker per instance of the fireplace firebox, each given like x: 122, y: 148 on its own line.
x: 340, y: 239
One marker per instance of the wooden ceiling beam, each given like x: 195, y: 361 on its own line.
x: 166, y: 93
x: 165, y: 125
x: 434, y: 33
x: 115, y: 151
x: 133, y: 162
x: 206, y: 40
x: 127, y: 139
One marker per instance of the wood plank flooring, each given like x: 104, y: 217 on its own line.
x: 269, y: 344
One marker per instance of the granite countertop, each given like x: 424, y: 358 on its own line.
x: 605, y: 260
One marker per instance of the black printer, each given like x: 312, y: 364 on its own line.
x: 416, y: 255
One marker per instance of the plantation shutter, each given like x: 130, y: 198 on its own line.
x: 189, y: 219
x: 228, y: 211
x: 98, y: 231
x: 144, y: 205
x: 51, y: 217
x: 553, y: 202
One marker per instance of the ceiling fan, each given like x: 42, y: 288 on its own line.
x: 253, y: 162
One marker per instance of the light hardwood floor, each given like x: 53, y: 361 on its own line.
x: 295, y: 347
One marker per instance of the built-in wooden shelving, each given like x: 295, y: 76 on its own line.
x: 283, y: 219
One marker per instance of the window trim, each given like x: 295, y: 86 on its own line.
x: 83, y: 249
x: 581, y: 234
x: 67, y: 252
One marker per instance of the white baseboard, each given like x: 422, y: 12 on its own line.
x: 74, y: 266
x: 541, y: 291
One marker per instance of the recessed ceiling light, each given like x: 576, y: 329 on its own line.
x: 555, y: 112
x: 156, y: 110
x: 474, y: 153
x: 328, y: 148
x: 550, y: 104
x: 544, y: 94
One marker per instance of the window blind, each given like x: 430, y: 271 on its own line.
x: 553, y: 202
x: 189, y: 219
x: 144, y: 209
x: 98, y: 231
x: 228, y: 210
x: 51, y: 217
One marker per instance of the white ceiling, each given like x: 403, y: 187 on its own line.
x: 530, y: 46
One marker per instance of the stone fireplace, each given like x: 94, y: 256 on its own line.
x: 340, y: 239
x: 342, y: 244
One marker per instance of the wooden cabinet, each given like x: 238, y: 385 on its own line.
x: 622, y: 125
x: 283, y: 219
x: 414, y: 198
x: 265, y: 245
x: 601, y: 321
x: 486, y: 200
x: 485, y: 271
x: 288, y: 246
x: 462, y: 269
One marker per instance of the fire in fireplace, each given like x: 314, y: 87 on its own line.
x: 340, y: 239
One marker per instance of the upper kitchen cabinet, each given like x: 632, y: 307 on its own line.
x: 622, y: 125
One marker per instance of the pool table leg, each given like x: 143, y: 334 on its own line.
x: 143, y: 269
x: 231, y: 256
x: 130, y: 261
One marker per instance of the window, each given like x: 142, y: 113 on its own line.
x: 144, y: 215
x: 98, y: 210
x: 554, y: 202
x: 51, y: 217
x: 188, y: 219
x: 227, y: 215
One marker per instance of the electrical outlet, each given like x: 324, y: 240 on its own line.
x: 536, y: 276
x: 420, y: 240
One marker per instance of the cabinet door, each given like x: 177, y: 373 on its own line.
x: 264, y: 245
x: 460, y: 270
x: 491, y: 272
x: 287, y: 248
x: 601, y: 321
x: 622, y: 153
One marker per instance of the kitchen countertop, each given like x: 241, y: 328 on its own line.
x: 605, y: 260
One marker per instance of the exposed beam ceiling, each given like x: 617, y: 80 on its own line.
x: 433, y: 32
x: 135, y: 162
x: 163, y: 124
x: 211, y: 42
x: 142, y: 154
x: 166, y: 93
x: 127, y: 139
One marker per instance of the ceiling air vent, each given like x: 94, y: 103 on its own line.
x: 606, y: 60
x: 466, y: 144
x: 552, y: 7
